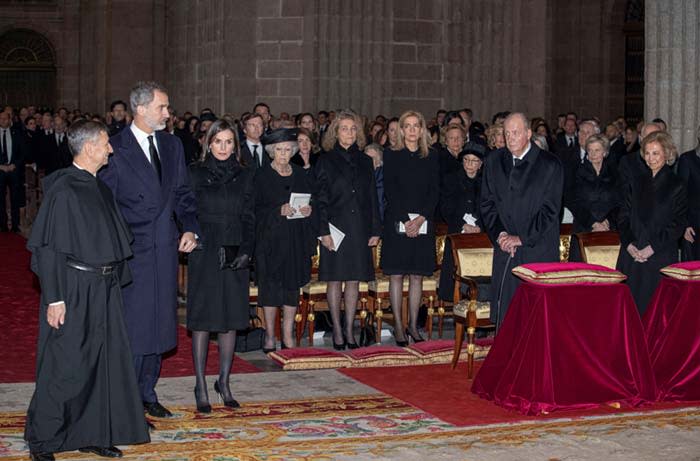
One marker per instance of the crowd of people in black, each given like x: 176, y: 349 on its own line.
x: 221, y: 188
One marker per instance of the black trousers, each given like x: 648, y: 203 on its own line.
x: 13, y: 181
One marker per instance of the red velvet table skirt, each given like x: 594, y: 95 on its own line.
x: 568, y: 347
x: 672, y: 326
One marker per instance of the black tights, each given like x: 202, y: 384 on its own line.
x: 415, y: 295
x: 200, y: 349
x: 350, y: 295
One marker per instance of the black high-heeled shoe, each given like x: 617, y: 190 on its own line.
x: 415, y: 339
x: 229, y: 403
x: 350, y: 345
x: 339, y: 347
x: 403, y: 343
x: 265, y: 349
x: 202, y: 407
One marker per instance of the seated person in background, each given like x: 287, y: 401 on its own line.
x: 459, y: 195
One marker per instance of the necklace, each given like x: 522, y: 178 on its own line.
x: 284, y: 172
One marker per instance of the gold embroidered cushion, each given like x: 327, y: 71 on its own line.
x: 689, y: 270
x: 567, y: 273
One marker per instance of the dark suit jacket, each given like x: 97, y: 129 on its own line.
x: 19, y: 152
x: 561, y: 143
x: 689, y: 172
x: 523, y: 201
x: 247, y: 156
x: 151, y: 209
x: 52, y: 156
x: 617, y: 151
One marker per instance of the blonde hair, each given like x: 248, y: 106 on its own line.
x: 492, y: 132
x: 665, y: 141
x: 331, y: 136
x: 423, y: 140
x: 447, y: 128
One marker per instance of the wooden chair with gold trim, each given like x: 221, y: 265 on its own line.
x: 473, y: 260
x: 601, y: 248
x: 378, y: 293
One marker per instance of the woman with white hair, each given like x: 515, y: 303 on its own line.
x: 284, y: 238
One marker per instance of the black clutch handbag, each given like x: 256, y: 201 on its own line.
x: 227, y: 256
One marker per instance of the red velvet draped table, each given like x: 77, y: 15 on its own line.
x: 568, y: 347
x: 672, y: 326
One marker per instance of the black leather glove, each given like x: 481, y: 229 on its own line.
x: 241, y: 262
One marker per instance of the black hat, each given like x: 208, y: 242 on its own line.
x: 207, y: 117
x: 473, y: 148
x: 280, y: 135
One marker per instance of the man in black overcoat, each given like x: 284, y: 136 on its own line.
x: 12, y: 154
x: 86, y: 396
x: 689, y: 172
x: 150, y: 182
x: 520, y: 201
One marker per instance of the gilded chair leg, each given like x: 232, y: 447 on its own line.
x: 429, y: 317
x: 441, y: 317
x: 300, y: 323
x: 378, y: 315
x: 363, y: 312
x: 459, y: 333
x: 311, y: 317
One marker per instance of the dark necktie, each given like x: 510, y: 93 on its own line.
x: 255, y: 155
x: 517, y: 161
x: 571, y: 142
x: 3, y: 151
x: 155, y: 159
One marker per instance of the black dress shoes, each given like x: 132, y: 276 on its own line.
x: 41, y: 456
x: 156, y: 410
x: 105, y: 452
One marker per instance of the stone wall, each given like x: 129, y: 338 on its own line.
x: 672, y: 70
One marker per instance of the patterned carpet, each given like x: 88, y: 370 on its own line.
x: 351, y: 428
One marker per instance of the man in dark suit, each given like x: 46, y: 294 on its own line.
x: 520, y: 202
x: 252, y: 150
x: 54, y: 147
x: 617, y: 148
x: 149, y: 180
x: 567, y: 139
x: 11, y: 171
x: 118, y: 112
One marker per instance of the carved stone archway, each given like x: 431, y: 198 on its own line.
x: 27, y: 69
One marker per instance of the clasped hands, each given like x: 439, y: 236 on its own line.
x: 413, y: 226
x: 641, y: 256
x: 288, y: 210
x: 602, y: 226
x: 7, y: 168
x: 509, y: 243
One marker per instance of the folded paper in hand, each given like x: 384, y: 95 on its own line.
x: 336, y: 235
x: 298, y: 200
x: 469, y: 219
x: 423, y: 228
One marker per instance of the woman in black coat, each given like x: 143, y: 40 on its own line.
x: 347, y: 199
x: 218, y: 299
x: 459, y: 195
x: 284, y: 246
x: 689, y: 172
x: 412, y: 188
x: 307, y: 155
x: 596, y: 197
x: 651, y: 220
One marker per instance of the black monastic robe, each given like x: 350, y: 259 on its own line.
x: 86, y: 392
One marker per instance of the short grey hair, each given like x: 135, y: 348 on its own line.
x: 270, y: 148
x: 143, y: 93
x: 83, y: 131
x: 600, y: 139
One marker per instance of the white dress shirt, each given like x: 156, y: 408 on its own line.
x: 251, y: 147
x: 8, y: 140
x: 142, y: 138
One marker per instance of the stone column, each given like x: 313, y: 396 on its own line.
x: 672, y: 67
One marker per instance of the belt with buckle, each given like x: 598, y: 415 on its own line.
x: 101, y: 270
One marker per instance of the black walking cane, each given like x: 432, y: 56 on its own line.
x: 500, y: 295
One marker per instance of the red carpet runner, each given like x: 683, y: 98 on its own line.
x: 19, y: 305
x: 446, y: 394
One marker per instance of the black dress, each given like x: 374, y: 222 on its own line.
x: 689, y: 172
x: 653, y: 212
x: 596, y: 199
x: 347, y: 198
x: 86, y: 392
x: 217, y: 300
x: 411, y: 185
x: 460, y: 194
x: 284, y: 246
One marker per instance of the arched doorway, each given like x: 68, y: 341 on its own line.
x: 27, y: 69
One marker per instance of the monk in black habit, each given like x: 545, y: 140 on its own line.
x: 86, y: 396
x: 521, y: 197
